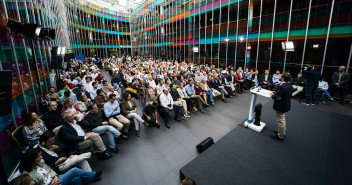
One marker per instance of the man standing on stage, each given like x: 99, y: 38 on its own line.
x: 282, y: 104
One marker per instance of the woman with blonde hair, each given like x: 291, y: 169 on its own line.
x: 70, y: 106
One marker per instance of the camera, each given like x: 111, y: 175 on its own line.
x: 309, y: 67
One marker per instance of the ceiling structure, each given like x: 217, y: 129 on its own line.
x: 118, y: 5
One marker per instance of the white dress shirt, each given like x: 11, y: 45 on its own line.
x: 166, y: 100
x: 78, y: 129
x: 152, y: 83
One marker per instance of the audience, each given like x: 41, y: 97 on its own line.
x: 83, y: 103
x: 69, y: 106
x: 58, y: 159
x: 322, y: 88
x: 33, y: 165
x: 167, y: 104
x: 168, y: 85
x: 129, y: 110
x: 100, y: 99
x: 33, y: 128
x: 24, y: 179
x: 188, y: 181
x: 266, y: 80
x: 73, y: 136
x: 113, y: 113
x: 298, y: 84
x: 97, y: 123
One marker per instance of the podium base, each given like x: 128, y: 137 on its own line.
x: 255, y: 127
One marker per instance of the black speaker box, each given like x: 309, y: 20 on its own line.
x: 5, y: 92
x: 206, y: 53
x: 208, y: 142
x: 267, y: 55
x: 56, y: 62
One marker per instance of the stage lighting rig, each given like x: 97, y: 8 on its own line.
x: 29, y: 30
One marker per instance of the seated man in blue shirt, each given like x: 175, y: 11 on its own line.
x: 68, y: 94
x: 322, y: 88
x: 113, y: 113
x: 276, y: 78
x: 191, y: 92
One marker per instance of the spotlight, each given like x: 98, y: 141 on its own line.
x: 58, y: 51
x: 31, y: 30
x: 52, y: 34
x: 15, y: 26
x: 227, y: 39
x: 315, y: 46
x: 28, y: 30
x: 44, y: 33
x: 288, y: 46
x: 63, y: 51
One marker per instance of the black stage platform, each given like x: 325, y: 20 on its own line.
x: 316, y: 151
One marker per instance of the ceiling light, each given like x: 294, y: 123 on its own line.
x: 288, y: 46
x: 195, y: 49
x: 242, y: 38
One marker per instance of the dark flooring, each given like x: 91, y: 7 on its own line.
x: 317, y: 151
x: 158, y: 155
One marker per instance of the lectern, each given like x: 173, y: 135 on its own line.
x: 250, y: 121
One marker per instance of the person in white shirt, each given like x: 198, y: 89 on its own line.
x: 160, y: 87
x: 152, y: 82
x: 322, y: 88
x: 93, y: 91
x: 112, y: 91
x: 167, y: 104
x: 100, y: 83
x: 94, y: 74
x: 88, y: 84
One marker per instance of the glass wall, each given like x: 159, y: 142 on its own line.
x: 254, y: 32
x: 17, y: 56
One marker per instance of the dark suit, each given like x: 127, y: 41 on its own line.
x: 79, y: 94
x: 312, y: 82
x: 228, y: 88
x: 345, y: 78
x: 216, y: 84
x: 282, y: 98
x: 282, y: 104
x: 50, y: 160
x: 69, y: 136
x: 269, y: 83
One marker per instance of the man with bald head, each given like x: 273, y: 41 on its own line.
x: 339, y: 82
x: 167, y: 103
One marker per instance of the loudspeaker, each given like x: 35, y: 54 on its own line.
x: 56, y: 62
x: 202, y: 146
x: 206, y: 53
x: 5, y: 92
x: 135, y: 53
x: 68, y: 57
x: 267, y: 55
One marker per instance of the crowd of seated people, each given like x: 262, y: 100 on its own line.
x: 86, y: 106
